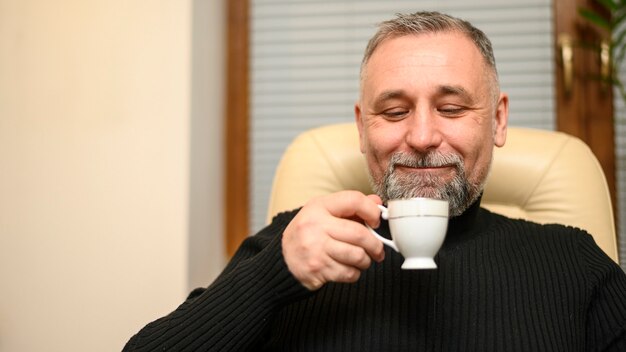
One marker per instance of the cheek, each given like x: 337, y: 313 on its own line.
x: 378, y: 149
x: 384, y: 137
x: 376, y: 162
x: 477, y: 164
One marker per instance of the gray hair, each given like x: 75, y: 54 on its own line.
x: 431, y: 22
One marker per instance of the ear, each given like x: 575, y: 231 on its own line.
x: 501, y: 120
x: 359, y: 124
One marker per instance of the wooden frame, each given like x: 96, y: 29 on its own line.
x: 236, y: 125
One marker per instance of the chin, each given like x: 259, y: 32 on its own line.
x: 428, y: 192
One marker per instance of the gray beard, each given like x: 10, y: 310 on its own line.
x: 459, y: 192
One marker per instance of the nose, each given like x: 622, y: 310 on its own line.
x: 423, y: 131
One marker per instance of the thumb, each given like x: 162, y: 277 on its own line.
x: 375, y: 198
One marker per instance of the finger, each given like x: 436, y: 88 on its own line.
x: 349, y: 204
x: 348, y: 254
x: 315, y: 272
x: 338, y: 272
x: 375, y: 198
x: 378, y: 201
x: 356, y: 234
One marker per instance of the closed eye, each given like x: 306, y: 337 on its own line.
x: 451, y: 110
x: 394, y: 114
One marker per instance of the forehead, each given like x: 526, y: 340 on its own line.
x: 435, y: 56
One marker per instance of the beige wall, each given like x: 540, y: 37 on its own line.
x: 97, y: 163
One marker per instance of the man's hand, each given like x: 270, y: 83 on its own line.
x: 327, y: 241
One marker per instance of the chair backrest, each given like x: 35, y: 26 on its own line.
x: 542, y: 176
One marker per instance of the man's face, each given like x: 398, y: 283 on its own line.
x: 428, y: 118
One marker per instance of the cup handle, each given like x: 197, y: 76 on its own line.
x: 384, y: 213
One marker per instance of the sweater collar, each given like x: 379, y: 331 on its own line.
x: 466, y: 226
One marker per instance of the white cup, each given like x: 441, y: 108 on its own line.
x: 418, y: 227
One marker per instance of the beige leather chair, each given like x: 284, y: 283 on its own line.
x: 543, y: 176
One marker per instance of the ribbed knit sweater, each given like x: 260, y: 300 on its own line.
x: 501, y: 285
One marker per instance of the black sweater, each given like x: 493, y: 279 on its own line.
x: 501, y: 285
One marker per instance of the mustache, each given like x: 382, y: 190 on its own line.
x: 430, y: 159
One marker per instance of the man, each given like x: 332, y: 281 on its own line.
x: 429, y: 114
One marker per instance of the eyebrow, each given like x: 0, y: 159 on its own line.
x: 389, y: 95
x: 459, y: 91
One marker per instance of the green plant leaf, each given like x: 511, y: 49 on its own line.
x: 618, y: 38
x: 594, y: 18
x: 609, y: 5
x: 618, y: 18
x: 618, y: 55
x: 616, y: 25
x: 617, y: 59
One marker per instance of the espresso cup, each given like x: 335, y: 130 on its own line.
x: 418, y: 227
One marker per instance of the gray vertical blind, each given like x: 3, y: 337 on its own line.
x: 305, y: 57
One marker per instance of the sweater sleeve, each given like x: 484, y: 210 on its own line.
x: 606, y: 313
x: 233, y: 312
